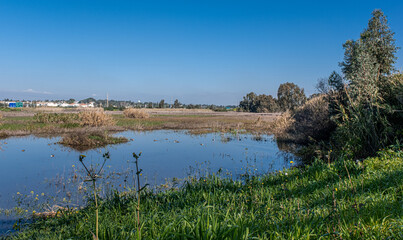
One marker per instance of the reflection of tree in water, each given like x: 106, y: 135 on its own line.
x: 288, y: 151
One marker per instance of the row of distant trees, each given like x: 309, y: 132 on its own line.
x: 289, y: 97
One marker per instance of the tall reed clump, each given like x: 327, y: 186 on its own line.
x: 281, y: 126
x: 136, y: 113
x: 95, y: 119
x: 93, y: 176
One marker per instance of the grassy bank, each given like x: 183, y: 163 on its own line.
x: 340, y: 200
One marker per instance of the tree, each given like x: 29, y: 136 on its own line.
x: 266, y: 103
x: 248, y: 103
x: 71, y: 100
x: 368, y: 118
x: 88, y: 100
x: 177, y: 103
x: 290, y: 96
x: 259, y: 103
x: 377, y: 46
x: 161, y: 104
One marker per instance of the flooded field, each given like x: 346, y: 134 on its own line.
x: 38, y: 173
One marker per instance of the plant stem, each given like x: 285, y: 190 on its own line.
x: 138, y: 198
x: 96, y: 210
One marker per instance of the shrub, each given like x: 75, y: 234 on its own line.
x: 135, y: 113
x: 312, y: 119
x: 56, y: 117
x: 95, y: 119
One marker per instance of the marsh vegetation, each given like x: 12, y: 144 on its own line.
x: 350, y: 185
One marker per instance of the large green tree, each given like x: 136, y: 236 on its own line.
x: 290, y: 96
x: 266, y: 103
x: 248, y: 103
x: 259, y: 103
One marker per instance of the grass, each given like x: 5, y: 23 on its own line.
x: 85, y: 141
x: 3, y: 109
x: 61, y: 123
x: 340, y: 200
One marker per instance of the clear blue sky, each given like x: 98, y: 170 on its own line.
x: 196, y: 51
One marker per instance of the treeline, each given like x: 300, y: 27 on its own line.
x: 121, y: 105
x: 289, y: 97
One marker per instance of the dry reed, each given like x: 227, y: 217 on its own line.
x: 95, y: 119
x: 135, y: 113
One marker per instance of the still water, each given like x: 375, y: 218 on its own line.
x: 38, y: 170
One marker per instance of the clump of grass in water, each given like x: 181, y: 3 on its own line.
x: 85, y: 141
x: 93, y: 176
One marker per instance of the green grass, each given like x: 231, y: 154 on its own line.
x: 342, y: 200
x: 3, y: 109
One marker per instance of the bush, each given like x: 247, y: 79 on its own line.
x: 312, y: 120
x: 95, y: 119
x: 56, y: 117
x: 308, y: 123
x: 136, y: 113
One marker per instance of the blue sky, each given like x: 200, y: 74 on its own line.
x: 195, y: 51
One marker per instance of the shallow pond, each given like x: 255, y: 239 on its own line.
x: 38, y: 171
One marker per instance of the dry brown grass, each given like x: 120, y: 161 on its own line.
x: 310, y: 122
x: 282, y: 124
x: 95, y: 119
x: 135, y: 113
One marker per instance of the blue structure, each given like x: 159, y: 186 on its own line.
x: 12, y: 105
